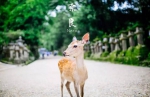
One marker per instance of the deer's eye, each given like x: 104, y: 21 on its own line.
x: 75, y: 46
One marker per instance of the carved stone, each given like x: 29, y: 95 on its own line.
x: 131, y: 39
x: 111, y: 41
x: 139, y: 32
x: 105, y: 41
x: 124, y: 42
x: 117, y: 47
x: 17, y: 60
x: 100, y: 46
x: 11, y: 50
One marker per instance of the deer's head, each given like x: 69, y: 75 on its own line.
x: 75, y: 48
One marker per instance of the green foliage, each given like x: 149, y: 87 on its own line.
x: 132, y: 25
x: 113, y: 56
x: 104, y: 54
x: 2, y: 38
x: 148, y: 56
x: 145, y: 63
x: 13, y: 34
x: 96, y: 39
x: 129, y: 55
x: 121, y: 57
x: 140, y: 52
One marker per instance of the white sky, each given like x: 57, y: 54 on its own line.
x: 123, y: 5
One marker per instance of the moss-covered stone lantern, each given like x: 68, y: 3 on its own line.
x: 131, y: 38
x: 123, y: 38
x: 139, y: 32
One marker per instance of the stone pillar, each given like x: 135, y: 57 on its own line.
x: 111, y: 41
x: 96, y: 47
x: 105, y: 41
x: 92, y: 49
x: 100, y: 46
x: 124, y: 42
x: 86, y: 48
x: 26, y: 53
x: 131, y: 39
x: 139, y: 32
x: 21, y: 53
x: 117, y: 47
x: 17, y: 60
x: 11, y: 50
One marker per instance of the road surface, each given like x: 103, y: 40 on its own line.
x: 42, y: 79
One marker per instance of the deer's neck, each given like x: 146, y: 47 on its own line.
x: 79, y: 60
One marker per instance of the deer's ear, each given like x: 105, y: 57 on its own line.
x: 85, y: 38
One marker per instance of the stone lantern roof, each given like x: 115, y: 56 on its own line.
x: 11, y: 43
x: 20, y: 39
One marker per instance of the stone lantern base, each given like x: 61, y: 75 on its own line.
x: 17, y: 61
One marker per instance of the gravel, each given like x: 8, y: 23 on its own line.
x: 42, y: 79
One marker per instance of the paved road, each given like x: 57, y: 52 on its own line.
x: 41, y: 79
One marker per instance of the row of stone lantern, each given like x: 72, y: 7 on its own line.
x: 18, y: 51
x: 117, y: 43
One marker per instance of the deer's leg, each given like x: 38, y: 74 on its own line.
x: 82, y: 90
x: 68, y: 88
x: 62, y: 83
x: 76, y: 86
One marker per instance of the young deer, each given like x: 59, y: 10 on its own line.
x: 73, y: 69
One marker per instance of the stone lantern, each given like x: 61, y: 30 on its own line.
x: 117, y: 48
x: 131, y: 39
x: 139, y: 32
x: 105, y: 41
x: 111, y: 41
x: 11, y: 50
x: 123, y: 40
x: 96, y: 47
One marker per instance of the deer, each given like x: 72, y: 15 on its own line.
x: 72, y: 68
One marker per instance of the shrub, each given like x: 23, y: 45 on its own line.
x: 121, y: 57
x: 145, y: 63
x: 138, y: 54
x: 104, y: 54
x: 148, y: 56
x: 129, y: 55
x: 113, y: 55
x: 140, y: 51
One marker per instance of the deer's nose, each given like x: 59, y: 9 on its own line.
x: 64, y: 53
